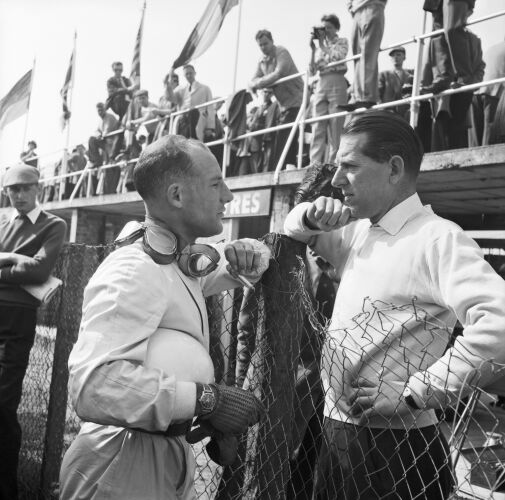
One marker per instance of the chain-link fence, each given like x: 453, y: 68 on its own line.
x: 274, y: 341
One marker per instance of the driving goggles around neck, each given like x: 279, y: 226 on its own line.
x: 195, y: 260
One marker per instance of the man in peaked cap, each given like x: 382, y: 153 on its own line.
x: 30, y: 240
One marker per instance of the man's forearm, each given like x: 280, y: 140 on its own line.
x: 25, y: 270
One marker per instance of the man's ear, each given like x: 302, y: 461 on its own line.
x: 397, y: 169
x: 174, y: 195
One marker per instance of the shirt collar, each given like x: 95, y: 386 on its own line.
x: 33, y: 215
x: 398, y: 216
x: 271, y: 57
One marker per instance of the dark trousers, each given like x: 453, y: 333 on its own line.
x: 17, y: 332
x: 369, y: 464
x: 452, y: 15
x: 451, y: 131
x: 287, y: 116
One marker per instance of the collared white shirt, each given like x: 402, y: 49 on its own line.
x: 33, y: 215
x: 404, y: 282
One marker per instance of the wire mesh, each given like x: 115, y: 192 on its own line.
x: 274, y: 341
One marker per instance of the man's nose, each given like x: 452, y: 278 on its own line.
x: 227, y: 195
x: 339, y: 178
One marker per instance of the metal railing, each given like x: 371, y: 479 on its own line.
x: 299, y: 124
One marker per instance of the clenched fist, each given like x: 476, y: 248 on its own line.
x: 327, y: 214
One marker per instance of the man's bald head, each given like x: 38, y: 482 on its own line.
x: 163, y: 162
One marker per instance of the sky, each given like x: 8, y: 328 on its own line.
x: 43, y: 30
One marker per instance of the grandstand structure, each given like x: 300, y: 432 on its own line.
x: 466, y: 185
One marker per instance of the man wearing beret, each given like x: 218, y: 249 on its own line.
x: 30, y: 240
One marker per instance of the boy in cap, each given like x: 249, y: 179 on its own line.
x: 396, y: 83
x: 30, y: 240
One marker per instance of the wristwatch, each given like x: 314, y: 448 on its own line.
x: 407, y: 396
x: 206, y: 403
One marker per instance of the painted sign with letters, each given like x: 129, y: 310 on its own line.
x: 252, y: 203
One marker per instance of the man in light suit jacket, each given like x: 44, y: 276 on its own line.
x: 193, y: 94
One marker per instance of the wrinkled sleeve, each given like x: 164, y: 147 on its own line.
x: 284, y: 63
x: 465, y: 283
x: 328, y: 245
x: 221, y: 279
x: 123, y: 305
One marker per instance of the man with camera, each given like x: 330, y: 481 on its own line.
x: 331, y: 88
x: 148, y: 292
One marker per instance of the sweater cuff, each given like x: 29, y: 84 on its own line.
x: 185, y: 401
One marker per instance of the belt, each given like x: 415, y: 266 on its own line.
x: 173, y: 430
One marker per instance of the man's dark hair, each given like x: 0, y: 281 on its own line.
x: 116, y: 63
x: 186, y: 66
x: 388, y: 134
x: 32, y: 142
x: 100, y: 105
x: 333, y: 19
x: 317, y: 182
x: 162, y: 162
x: 262, y: 33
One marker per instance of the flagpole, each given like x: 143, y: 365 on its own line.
x: 29, y: 101
x: 240, y: 2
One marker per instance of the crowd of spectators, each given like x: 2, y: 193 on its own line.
x: 129, y: 119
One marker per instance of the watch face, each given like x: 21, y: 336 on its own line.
x: 208, y: 401
x: 407, y: 392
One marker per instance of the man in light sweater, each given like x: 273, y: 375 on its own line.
x: 30, y: 241
x: 406, y: 276
x: 136, y: 413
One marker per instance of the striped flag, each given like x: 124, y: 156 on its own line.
x: 65, y: 90
x: 135, y: 69
x: 206, y: 30
x: 16, y: 103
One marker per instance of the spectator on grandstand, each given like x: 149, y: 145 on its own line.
x: 166, y: 105
x: 145, y: 116
x: 450, y: 121
x: 102, y: 147
x: 452, y: 52
x: 331, y: 87
x: 200, y: 123
x: 277, y: 63
x: 367, y: 31
x: 396, y: 83
x: 30, y: 241
x: 486, y: 129
x: 248, y: 152
x: 266, y: 115
x: 29, y: 157
x: 76, y: 163
x: 406, y: 276
x: 120, y: 90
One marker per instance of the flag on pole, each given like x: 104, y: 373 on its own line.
x: 206, y: 30
x: 16, y: 103
x: 135, y: 69
x: 65, y: 90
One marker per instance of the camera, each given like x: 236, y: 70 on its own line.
x: 317, y: 32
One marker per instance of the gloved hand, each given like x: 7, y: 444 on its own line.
x: 234, y: 411
x: 221, y: 449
